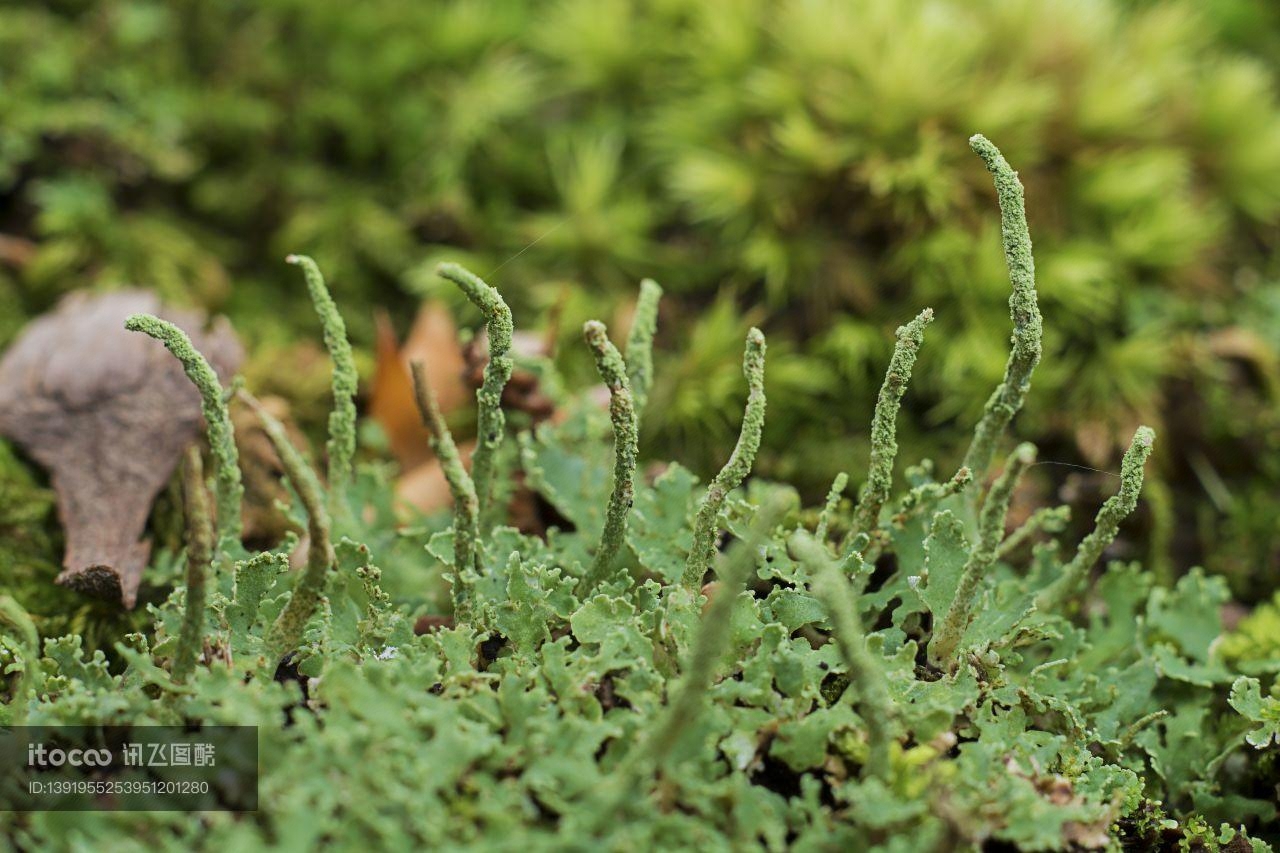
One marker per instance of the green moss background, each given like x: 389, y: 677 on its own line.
x: 799, y: 165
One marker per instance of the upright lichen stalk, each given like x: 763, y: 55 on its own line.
x: 466, y: 507
x: 491, y: 423
x: 640, y: 344
x: 286, y: 633
x: 1107, y: 524
x: 884, y: 444
x: 991, y: 522
x: 228, y: 487
x: 735, y: 470
x: 341, y: 447
x: 622, y: 413
x: 199, y: 536
x: 1023, y: 307
x: 875, y: 704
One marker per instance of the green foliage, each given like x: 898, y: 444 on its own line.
x: 790, y: 704
x: 806, y: 156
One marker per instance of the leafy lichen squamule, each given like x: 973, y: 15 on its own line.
x: 622, y: 413
x: 1023, y: 308
x: 341, y: 447
x: 228, y: 486
x: 490, y: 421
x: 286, y: 632
x: 950, y: 629
x: 1107, y: 523
x: 832, y: 588
x: 199, y: 539
x: 735, y: 470
x: 466, y: 507
x: 640, y: 344
x: 884, y: 444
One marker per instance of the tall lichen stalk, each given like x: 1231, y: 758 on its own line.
x: 341, y: 446
x: 884, y: 444
x: 466, y: 506
x: 491, y: 425
x: 622, y: 413
x: 991, y: 523
x: 228, y: 487
x: 286, y: 632
x: 640, y: 344
x: 1107, y: 523
x: 200, y: 545
x: 706, y: 524
x: 1023, y: 307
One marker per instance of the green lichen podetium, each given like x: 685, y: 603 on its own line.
x: 286, y: 632
x: 1023, y: 308
x: 341, y: 447
x: 640, y: 344
x: 1106, y: 524
x: 838, y: 485
x: 833, y: 590
x: 490, y: 422
x: 884, y: 445
x: 1050, y: 519
x: 199, y: 539
x: 466, y: 507
x: 735, y: 470
x: 228, y: 488
x: 946, y: 638
x: 622, y: 412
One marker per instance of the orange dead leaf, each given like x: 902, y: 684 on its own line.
x: 424, y: 487
x: 433, y: 340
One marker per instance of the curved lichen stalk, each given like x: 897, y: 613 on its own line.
x: 1050, y: 519
x: 735, y: 470
x: 199, y: 538
x: 884, y: 444
x: 1107, y: 524
x: 228, y: 487
x: 286, y: 633
x: 491, y: 424
x: 875, y: 704
x: 466, y: 507
x: 622, y: 413
x: 341, y: 447
x: 1023, y: 308
x: 640, y: 344
x: 991, y: 520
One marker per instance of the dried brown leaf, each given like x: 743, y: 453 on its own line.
x: 108, y: 413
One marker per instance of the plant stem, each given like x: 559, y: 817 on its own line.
x: 491, y: 424
x: 735, y: 470
x: 622, y: 413
x: 1107, y: 524
x: 199, y: 536
x: 285, y: 635
x: 228, y: 486
x: 884, y: 444
x: 950, y: 629
x: 1023, y: 308
x: 341, y: 446
x: 640, y: 344
x: 466, y: 507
